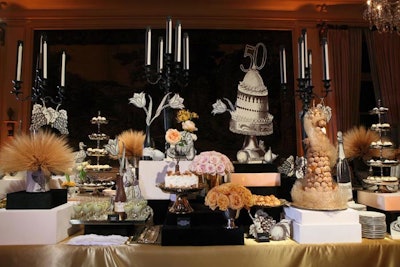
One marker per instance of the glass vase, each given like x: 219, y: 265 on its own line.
x: 212, y: 180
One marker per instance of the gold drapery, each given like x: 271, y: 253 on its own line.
x: 382, y: 252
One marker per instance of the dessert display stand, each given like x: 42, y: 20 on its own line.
x: 200, y: 227
x: 152, y: 173
x: 98, y: 174
x: 381, y: 194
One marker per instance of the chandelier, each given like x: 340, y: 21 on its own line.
x: 383, y: 15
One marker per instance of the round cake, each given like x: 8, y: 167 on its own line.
x: 252, y: 116
x: 181, y: 180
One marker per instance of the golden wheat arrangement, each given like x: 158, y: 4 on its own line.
x: 43, y: 151
x: 133, y: 141
x: 357, y: 142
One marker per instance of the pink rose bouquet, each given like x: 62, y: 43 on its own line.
x: 211, y: 162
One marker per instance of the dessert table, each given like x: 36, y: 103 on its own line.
x: 370, y: 252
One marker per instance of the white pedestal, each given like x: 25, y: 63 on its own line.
x: 326, y: 233
x: 256, y: 179
x: 322, y: 217
x: 318, y: 227
x: 30, y: 227
x: 152, y: 173
x: 382, y: 201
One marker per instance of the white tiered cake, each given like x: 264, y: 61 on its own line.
x: 252, y: 116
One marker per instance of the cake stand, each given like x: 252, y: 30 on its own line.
x: 181, y: 204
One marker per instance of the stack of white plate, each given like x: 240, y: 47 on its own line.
x: 373, y: 224
x: 356, y: 206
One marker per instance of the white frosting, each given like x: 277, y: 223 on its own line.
x: 185, y: 180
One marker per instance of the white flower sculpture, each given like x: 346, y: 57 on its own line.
x: 139, y: 100
x: 220, y: 107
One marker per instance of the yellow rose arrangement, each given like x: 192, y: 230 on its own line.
x: 186, y: 115
x: 229, y: 195
x: 68, y: 183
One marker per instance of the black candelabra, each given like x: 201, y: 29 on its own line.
x: 39, y: 91
x: 170, y: 69
x: 305, y: 87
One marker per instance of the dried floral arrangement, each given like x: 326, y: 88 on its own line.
x: 357, y: 142
x: 43, y: 151
x: 133, y: 142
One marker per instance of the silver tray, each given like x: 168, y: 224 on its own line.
x: 105, y: 222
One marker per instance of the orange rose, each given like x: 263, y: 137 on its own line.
x: 223, y: 202
x: 211, y: 199
x: 248, y: 200
x: 224, y: 188
x: 236, y: 202
x: 173, y: 136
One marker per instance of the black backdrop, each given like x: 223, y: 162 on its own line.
x: 215, y: 58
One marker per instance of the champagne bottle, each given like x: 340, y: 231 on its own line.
x: 120, y: 198
x: 343, y: 171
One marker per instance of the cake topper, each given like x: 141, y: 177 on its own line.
x: 250, y: 115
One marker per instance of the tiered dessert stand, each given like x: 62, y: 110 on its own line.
x: 99, y: 175
x: 98, y: 152
x: 381, y: 183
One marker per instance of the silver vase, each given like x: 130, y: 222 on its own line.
x: 37, y: 181
x: 231, y: 215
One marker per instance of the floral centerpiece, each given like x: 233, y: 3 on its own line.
x: 69, y: 185
x: 229, y: 198
x: 182, y: 142
x: 80, y: 171
x: 41, y: 155
x: 211, y: 166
